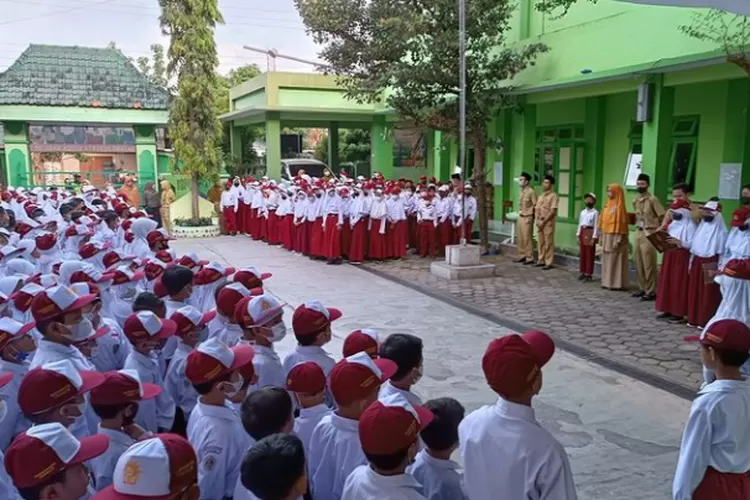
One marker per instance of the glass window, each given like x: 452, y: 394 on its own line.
x: 559, y: 152
x: 683, y: 163
x: 563, y: 183
x: 549, y: 162
x: 564, y: 159
x: 565, y: 133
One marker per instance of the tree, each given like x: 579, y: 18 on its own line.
x: 235, y: 77
x: 354, y: 146
x: 194, y: 126
x: 411, y: 48
x: 730, y: 31
x: 154, y: 68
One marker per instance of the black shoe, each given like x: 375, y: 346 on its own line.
x: 588, y: 279
x: 582, y: 277
x: 638, y: 294
x: 664, y: 316
x: 649, y: 297
x: 540, y: 264
x: 522, y: 260
x: 676, y: 321
x: 528, y: 263
x: 547, y: 268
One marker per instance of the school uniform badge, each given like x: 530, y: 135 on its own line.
x: 209, y: 463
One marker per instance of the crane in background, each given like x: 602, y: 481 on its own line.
x: 272, y: 54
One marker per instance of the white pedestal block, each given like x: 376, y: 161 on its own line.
x: 462, y: 262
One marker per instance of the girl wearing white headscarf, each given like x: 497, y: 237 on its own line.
x: 140, y: 228
x: 20, y: 267
x: 672, y: 294
x: 376, y: 227
x: 299, y: 224
x: 708, y: 245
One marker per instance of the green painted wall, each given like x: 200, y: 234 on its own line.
x: 319, y: 98
x: 72, y: 114
x: 257, y: 98
x: 163, y: 163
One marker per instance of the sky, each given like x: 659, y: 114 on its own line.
x: 134, y: 25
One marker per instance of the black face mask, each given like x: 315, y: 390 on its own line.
x: 129, y: 416
x: 366, y: 193
x: 589, y: 205
x: 318, y: 195
x: 355, y: 195
x: 745, y: 200
x: 641, y: 190
x: 236, y: 183
x: 708, y: 218
x: 676, y: 216
x: 743, y: 227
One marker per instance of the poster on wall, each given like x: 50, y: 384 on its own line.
x: 633, y: 169
x: 409, y: 147
x: 730, y: 177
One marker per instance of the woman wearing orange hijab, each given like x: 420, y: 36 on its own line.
x: 614, y: 233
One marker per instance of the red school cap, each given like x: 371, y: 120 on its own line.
x: 123, y: 387
x: 358, y: 376
x: 365, y: 340
x: 391, y: 424
x: 306, y: 378
x: 511, y: 363
x: 312, y: 317
x: 212, y: 359
x: 145, y: 325
x: 52, y: 385
x: 727, y: 335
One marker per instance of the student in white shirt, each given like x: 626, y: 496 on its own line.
x: 364, y: 340
x: 714, y: 460
x: 178, y: 281
x: 214, y: 429
x: 191, y: 325
x: 587, y: 234
x: 223, y: 326
x: 433, y: 468
x: 16, y: 345
x: 427, y: 221
x: 265, y: 412
x: 229, y: 204
x: 406, y: 351
x: 262, y: 323
x: 308, y: 384
x: 506, y: 453
x: 7, y: 489
x: 147, y: 333
x: 275, y: 468
x: 335, y: 450
x: 389, y: 434
x: 116, y: 402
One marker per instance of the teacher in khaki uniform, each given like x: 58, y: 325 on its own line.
x: 648, y: 218
x: 545, y: 214
x: 525, y: 222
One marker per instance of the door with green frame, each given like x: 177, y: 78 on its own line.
x: 559, y: 153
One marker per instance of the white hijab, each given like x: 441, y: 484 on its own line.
x: 710, y: 237
x: 683, y: 229
x: 140, y: 228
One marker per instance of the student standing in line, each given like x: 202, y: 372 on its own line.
x: 229, y: 204
x: 588, y: 235
x: 308, y: 384
x: 545, y: 216
x: 274, y: 468
x: 704, y: 295
x: 525, y: 222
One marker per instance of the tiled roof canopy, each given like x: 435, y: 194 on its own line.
x: 51, y: 75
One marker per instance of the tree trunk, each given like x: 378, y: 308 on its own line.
x: 479, y: 141
x: 195, y: 196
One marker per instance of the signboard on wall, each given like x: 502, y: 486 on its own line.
x: 409, y: 147
x: 633, y: 169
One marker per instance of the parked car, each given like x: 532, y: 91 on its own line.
x: 313, y: 168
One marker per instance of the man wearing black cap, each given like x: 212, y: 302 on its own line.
x: 648, y: 217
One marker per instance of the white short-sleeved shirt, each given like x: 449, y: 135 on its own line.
x: 314, y: 353
x: 179, y: 387
x: 334, y: 453
x: 14, y: 422
x: 103, y: 466
x: 112, y: 348
x: 156, y: 413
x: 388, y: 389
x: 7, y: 489
x: 440, y: 479
x: 305, y: 424
x: 220, y: 442
x: 507, y: 454
x: 366, y: 484
x: 268, y: 368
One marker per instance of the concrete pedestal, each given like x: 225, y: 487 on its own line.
x: 462, y: 262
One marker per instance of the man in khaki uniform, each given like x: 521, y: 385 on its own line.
x: 545, y: 214
x: 648, y: 218
x: 525, y: 222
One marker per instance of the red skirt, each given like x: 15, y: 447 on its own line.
x: 445, y: 234
x: 239, y: 217
x: 672, y: 293
x: 358, y: 247
x: 263, y: 227
x: 273, y: 228
x: 396, y: 239
x: 316, y: 238
x: 586, y: 258
x: 722, y: 486
x: 413, y: 227
x: 377, y: 247
x: 703, y: 298
x: 287, y: 231
x: 346, y: 237
x: 426, y: 238
x: 332, y: 238
x: 251, y: 221
x: 301, y: 238
x: 230, y: 222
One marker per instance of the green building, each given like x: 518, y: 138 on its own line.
x: 79, y: 110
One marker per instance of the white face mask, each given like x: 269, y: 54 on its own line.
x: 278, y: 332
x: 236, y: 386
x: 81, y: 330
x: 3, y: 409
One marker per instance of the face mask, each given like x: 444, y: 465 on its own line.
x: 708, y: 218
x: 417, y: 375
x: 128, y: 292
x: 745, y: 200
x: 641, y: 189
x: 278, y: 332
x: 319, y: 195
x: 3, y: 409
x: 156, y: 352
x: 94, y: 352
x: 81, y: 330
x: 79, y: 408
x: 203, y: 336
x: 589, y: 205
x: 394, y: 197
x: 236, y: 387
x: 676, y: 216
x: 743, y: 227
x: 236, y: 183
x: 18, y: 356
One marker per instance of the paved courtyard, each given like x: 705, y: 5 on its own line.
x: 622, y: 435
x: 611, y: 326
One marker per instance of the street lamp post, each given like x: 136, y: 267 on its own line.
x: 462, y: 110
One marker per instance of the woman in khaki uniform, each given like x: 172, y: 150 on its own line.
x: 614, y: 233
x: 167, y: 198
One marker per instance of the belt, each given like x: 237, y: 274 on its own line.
x: 525, y: 216
x: 587, y: 227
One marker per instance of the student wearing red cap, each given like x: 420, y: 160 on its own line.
x: 7, y: 490
x: 389, y: 432
x: 262, y: 323
x: 308, y: 384
x: 335, y: 450
x: 47, y: 461
x: 116, y: 402
x: 147, y: 333
x: 265, y: 412
x: 191, y: 327
x: 224, y: 326
x: 714, y: 458
x: 406, y: 351
x: 56, y: 392
x: 506, y: 453
x: 162, y: 467
x: 312, y: 329
x: 214, y: 429
x: 364, y: 340
x: 275, y: 468
x: 16, y: 345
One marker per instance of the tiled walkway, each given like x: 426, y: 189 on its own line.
x: 619, y: 330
